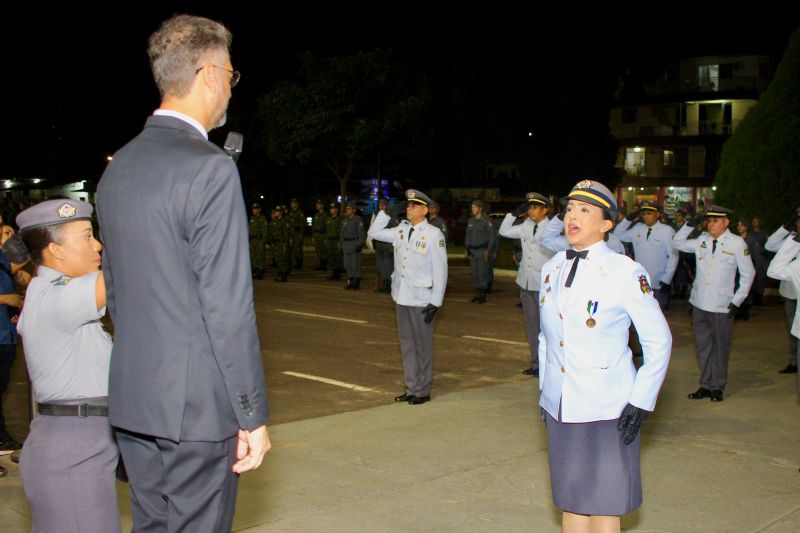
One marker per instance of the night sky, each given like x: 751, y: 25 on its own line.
x: 82, y: 85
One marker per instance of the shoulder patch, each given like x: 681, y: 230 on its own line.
x: 644, y: 285
x: 441, y: 243
x: 746, y: 252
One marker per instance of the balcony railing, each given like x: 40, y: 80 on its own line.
x: 692, y: 128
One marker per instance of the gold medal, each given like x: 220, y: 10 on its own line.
x: 590, y: 322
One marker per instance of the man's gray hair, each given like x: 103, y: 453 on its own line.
x: 179, y: 46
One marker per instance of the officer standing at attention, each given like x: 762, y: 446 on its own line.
x: 69, y: 459
x: 652, y: 248
x: 534, y: 256
x: 318, y: 232
x: 785, y: 266
x: 297, y: 223
x: 280, y: 238
x: 787, y: 231
x: 435, y: 220
x: 384, y: 252
x: 351, y: 239
x: 720, y: 254
x: 259, y: 232
x: 592, y: 397
x: 479, y: 240
x: 418, y: 286
x: 333, y: 230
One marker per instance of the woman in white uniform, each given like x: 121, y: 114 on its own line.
x: 592, y: 397
x: 69, y: 459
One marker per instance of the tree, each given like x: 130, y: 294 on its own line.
x: 343, y: 109
x: 759, y: 172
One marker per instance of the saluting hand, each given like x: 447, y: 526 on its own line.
x: 251, y: 449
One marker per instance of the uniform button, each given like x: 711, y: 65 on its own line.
x: 560, y: 316
x: 562, y: 370
x: 561, y: 343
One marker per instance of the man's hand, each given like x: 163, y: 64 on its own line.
x: 12, y: 300
x: 397, y: 209
x: 664, y: 287
x: 251, y: 449
x: 732, y: 309
x: 429, y: 312
x: 696, y: 221
x: 630, y: 421
x: 522, y: 209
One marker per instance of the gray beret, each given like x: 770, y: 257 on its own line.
x: 52, y: 212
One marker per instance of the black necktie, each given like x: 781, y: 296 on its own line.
x: 535, y: 227
x: 713, y: 246
x: 572, y: 254
x: 409, y: 233
x: 648, y: 233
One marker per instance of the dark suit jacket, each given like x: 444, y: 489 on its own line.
x: 186, y: 363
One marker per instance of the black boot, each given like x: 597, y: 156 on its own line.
x: 350, y: 284
x: 488, y: 288
x: 481, y: 297
x: 476, y: 297
x: 387, y: 286
x: 356, y: 284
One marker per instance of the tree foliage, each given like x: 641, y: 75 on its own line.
x: 342, y: 109
x: 759, y: 172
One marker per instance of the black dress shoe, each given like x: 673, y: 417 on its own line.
x: 531, y: 372
x: 404, y: 397
x: 790, y: 369
x: 8, y: 445
x: 700, y: 393
x: 716, y: 396
x: 416, y: 400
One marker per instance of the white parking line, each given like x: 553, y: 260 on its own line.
x: 323, y: 316
x: 358, y: 388
x: 489, y: 339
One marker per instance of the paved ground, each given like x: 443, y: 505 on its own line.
x: 474, y: 459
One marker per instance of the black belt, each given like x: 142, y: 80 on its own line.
x: 478, y: 247
x: 83, y: 410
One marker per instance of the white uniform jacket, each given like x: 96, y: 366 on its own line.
x: 534, y: 255
x: 589, y: 371
x: 785, y: 266
x: 554, y: 240
x: 773, y: 244
x: 654, y: 253
x: 712, y: 289
x: 420, y: 265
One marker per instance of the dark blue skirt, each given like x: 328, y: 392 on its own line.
x: 591, y: 471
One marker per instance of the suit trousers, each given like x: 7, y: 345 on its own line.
x: 385, y: 260
x: 416, y: 348
x: 712, y: 337
x: 530, y: 313
x: 180, y: 486
x: 480, y: 268
x: 789, y: 306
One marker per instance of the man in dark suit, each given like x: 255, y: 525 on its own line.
x: 186, y: 390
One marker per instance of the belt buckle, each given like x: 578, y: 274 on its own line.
x: 83, y: 410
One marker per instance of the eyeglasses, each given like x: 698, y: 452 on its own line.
x: 235, y: 74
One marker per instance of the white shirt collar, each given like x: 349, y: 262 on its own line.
x: 184, y: 117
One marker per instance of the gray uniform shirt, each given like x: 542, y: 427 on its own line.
x: 480, y: 233
x: 352, y: 235
x: 66, y: 348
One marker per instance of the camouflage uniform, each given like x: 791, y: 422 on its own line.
x: 318, y: 232
x: 258, y: 231
x: 333, y: 228
x: 297, y: 223
x: 279, y: 238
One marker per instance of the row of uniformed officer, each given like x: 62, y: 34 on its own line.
x: 479, y: 242
x: 787, y: 289
x: 351, y: 239
x: 785, y: 266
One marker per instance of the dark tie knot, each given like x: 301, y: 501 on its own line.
x: 572, y: 254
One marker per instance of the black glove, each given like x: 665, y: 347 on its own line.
x: 633, y: 215
x: 630, y: 421
x: 696, y: 221
x: 520, y: 210
x: 664, y: 287
x: 789, y: 225
x: 732, y: 309
x: 397, y: 209
x: 429, y: 312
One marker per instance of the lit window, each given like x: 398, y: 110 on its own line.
x: 634, y: 161
x: 669, y: 158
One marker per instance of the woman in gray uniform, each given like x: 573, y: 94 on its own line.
x: 592, y: 397
x: 69, y: 458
